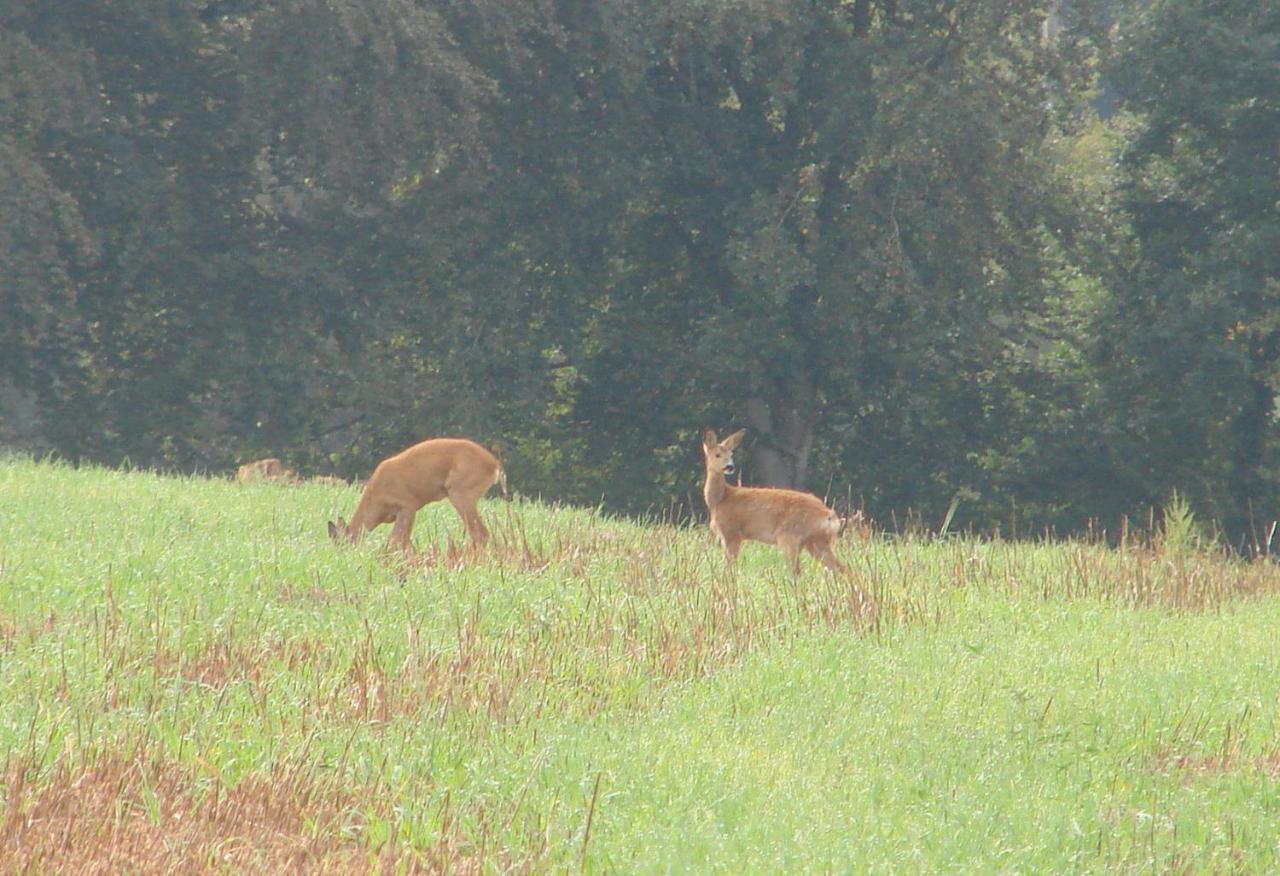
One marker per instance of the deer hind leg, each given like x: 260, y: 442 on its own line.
x: 464, y: 490
x: 465, y: 504
x: 479, y: 532
x: 820, y: 547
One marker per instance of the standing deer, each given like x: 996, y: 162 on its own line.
x: 791, y: 519
x: 440, y: 468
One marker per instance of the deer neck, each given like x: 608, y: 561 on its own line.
x: 715, y: 489
x: 360, y: 522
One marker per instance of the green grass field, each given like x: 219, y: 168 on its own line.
x: 191, y: 674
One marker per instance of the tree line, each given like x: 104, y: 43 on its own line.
x: 1023, y: 255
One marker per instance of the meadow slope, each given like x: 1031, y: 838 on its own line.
x: 191, y: 674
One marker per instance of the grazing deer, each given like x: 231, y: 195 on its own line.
x: 788, y: 518
x: 264, y: 470
x: 440, y: 468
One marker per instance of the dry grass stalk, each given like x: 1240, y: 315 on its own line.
x: 227, y: 661
x: 146, y: 816
x: 1232, y: 760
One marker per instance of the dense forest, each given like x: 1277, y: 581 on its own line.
x: 1023, y: 255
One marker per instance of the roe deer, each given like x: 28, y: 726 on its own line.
x: 439, y: 468
x: 791, y: 519
x: 264, y: 470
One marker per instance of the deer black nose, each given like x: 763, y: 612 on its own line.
x: 730, y: 468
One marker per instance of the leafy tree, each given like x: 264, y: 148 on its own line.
x: 133, y: 137
x: 825, y: 221
x: 1189, y: 347
x: 583, y: 231
x: 45, y: 243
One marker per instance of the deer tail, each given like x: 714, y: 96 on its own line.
x: 833, y: 524
x: 502, y: 482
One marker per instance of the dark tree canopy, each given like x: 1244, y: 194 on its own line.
x: 889, y: 237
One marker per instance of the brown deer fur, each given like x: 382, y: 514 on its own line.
x: 264, y: 470
x: 791, y: 519
x: 440, y: 468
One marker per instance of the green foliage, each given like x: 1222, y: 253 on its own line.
x: 1179, y: 531
x: 1193, y: 305
x: 886, y: 236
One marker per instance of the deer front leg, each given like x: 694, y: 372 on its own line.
x: 791, y: 550
x: 731, y: 546
x: 401, y: 531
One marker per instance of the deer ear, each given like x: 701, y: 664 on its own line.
x: 709, y: 438
x: 732, y: 442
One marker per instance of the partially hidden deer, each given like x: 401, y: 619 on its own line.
x: 791, y: 519
x: 440, y: 468
x: 265, y: 470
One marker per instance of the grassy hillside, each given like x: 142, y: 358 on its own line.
x: 191, y: 673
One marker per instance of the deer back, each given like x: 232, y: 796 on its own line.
x: 765, y: 514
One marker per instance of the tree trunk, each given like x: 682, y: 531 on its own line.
x: 783, y: 435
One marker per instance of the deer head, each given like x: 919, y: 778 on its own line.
x: 340, y: 531
x: 719, y: 454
